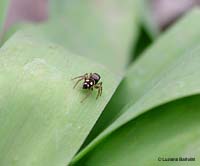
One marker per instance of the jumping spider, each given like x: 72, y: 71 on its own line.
x: 90, y: 81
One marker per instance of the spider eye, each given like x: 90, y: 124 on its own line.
x: 85, y: 86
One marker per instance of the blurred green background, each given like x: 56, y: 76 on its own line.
x: 148, y: 56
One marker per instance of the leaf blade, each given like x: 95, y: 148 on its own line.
x: 100, y: 30
x: 151, y: 67
x: 159, y: 90
x: 39, y: 107
x: 3, y: 9
x: 168, y: 131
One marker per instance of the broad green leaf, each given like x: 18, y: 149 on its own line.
x: 143, y: 42
x: 3, y: 12
x: 42, y: 120
x: 167, y: 71
x: 152, y: 67
x: 12, y: 29
x: 146, y: 18
x: 101, y: 30
x: 171, y: 130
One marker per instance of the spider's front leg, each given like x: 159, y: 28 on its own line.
x: 83, y: 77
x: 88, y: 94
x: 100, y: 89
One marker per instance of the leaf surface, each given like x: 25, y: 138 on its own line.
x: 167, y: 71
x: 152, y: 67
x: 169, y: 131
x: 103, y: 31
x: 42, y: 119
x: 3, y: 12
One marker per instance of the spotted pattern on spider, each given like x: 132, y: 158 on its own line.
x: 91, y: 81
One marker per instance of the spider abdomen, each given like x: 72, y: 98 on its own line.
x: 96, y: 77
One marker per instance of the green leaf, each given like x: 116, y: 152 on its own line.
x: 42, y: 119
x: 146, y: 18
x: 3, y: 12
x: 167, y: 71
x: 151, y: 67
x: 171, y: 130
x: 102, y: 31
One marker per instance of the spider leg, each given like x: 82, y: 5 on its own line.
x: 99, y: 87
x: 77, y: 82
x: 88, y: 94
x: 90, y: 75
x: 83, y: 77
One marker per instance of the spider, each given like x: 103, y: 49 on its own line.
x: 90, y: 81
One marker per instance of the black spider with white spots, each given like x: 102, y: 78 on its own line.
x: 90, y: 81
